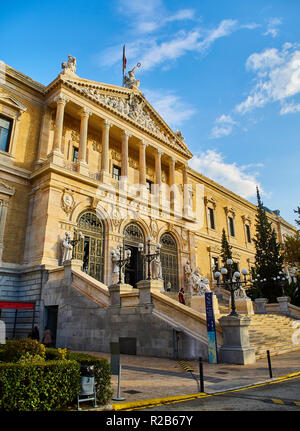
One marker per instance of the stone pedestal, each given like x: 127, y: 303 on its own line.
x: 83, y: 168
x: 284, y: 304
x: 145, y: 287
x: 156, y: 285
x: 68, y: 266
x: 198, y: 304
x: 56, y: 157
x: 105, y: 177
x: 236, y: 348
x: 2, y: 332
x: 261, y: 305
x: 243, y: 306
x: 114, y: 294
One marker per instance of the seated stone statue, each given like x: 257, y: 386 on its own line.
x: 199, y: 284
x: 240, y: 293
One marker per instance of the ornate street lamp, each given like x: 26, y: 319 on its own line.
x: 148, y: 257
x: 121, y: 258
x: 232, y: 281
x: 77, y: 236
x: 280, y: 279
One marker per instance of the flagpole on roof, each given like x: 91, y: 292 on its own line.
x: 124, y: 63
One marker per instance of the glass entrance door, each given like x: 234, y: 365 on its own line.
x: 134, y: 271
x: 91, y: 248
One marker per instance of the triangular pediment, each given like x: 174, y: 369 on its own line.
x: 132, y: 106
x: 12, y: 102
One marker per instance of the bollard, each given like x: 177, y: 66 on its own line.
x: 269, y: 364
x: 119, y: 398
x: 201, y: 375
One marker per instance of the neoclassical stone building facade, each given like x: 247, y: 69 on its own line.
x: 79, y: 155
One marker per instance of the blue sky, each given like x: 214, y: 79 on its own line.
x: 225, y: 73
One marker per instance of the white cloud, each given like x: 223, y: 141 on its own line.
x: 170, y: 107
x: 290, y: 108
x: 235, y: 178
x: 272, y: 26
x: 224, y: 126
x: 148, y: 16
x: 277, y: 77
x: 150, y: 51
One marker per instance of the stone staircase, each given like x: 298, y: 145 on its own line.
x: 271, y: 332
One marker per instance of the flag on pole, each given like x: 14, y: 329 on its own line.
x: 124, y: 60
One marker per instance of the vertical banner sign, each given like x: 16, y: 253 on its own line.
x: 211, y: 329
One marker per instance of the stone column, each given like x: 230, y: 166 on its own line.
x: 44, y: 135
x: 6, y: 192
x: 3, y: 215
x: 56, y: 154
x: 105, y: 150
x: 186, y: 206
x: 236, y: 347
x: 142, y: 168
x: 158, y: 176
x: 172, y: 162
x: 124, y: 167
x: 82, y: 164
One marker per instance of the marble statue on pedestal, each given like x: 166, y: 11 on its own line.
x: 67, y: 248
x: 199, y: 284
x: 156, y: 269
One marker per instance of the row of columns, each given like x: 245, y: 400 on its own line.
x: 83, y: 168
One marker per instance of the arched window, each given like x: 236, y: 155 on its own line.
x: 91, y: 249
x: 169, y: 261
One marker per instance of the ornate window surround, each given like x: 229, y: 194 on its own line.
x: 11, y: 108
x: 247, y: 221
x: 230, y: 212
x: 212, y: 204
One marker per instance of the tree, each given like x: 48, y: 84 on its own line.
x: 297, y: 211
x: 268, y: 259
x: 291, y: 251
x: 226, y: 253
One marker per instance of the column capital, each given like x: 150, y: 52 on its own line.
x: 143, y: 143
x: 172, y: 160
x: 61, y: 99
x: 85, y: 112
x: 159, y: 152
x: 126, y: 133
x: 107, y: 124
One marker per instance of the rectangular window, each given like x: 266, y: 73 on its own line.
x: 75, y: 154
x: 231, y: 226
x: 149, y: 186
x: 248, y: 233
x: 5, y: 133
x: 211, y: 218
x: 116, y: 172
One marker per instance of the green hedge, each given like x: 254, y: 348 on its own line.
x: 14, y: 349
x: 102, y: 371
x: 49, y: 385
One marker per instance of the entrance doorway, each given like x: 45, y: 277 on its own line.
x: 91, y: 248
x: 169, y: 261
x: 51, y: 321
x: 134, y: 271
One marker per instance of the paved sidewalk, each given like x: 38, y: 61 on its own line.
x: 145, y: 378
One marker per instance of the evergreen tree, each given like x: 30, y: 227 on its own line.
x: 226, y: 253
x: 297, y: 211
x: 268, y: 260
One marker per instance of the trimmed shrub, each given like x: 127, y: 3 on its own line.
x: 38, y: 386
x: 102, y: 371
x: 14, y: 349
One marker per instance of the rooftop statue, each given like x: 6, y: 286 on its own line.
x: 69, y: 66
x: 130, y: 81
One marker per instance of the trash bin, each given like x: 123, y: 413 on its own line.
x: 87, y: 385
